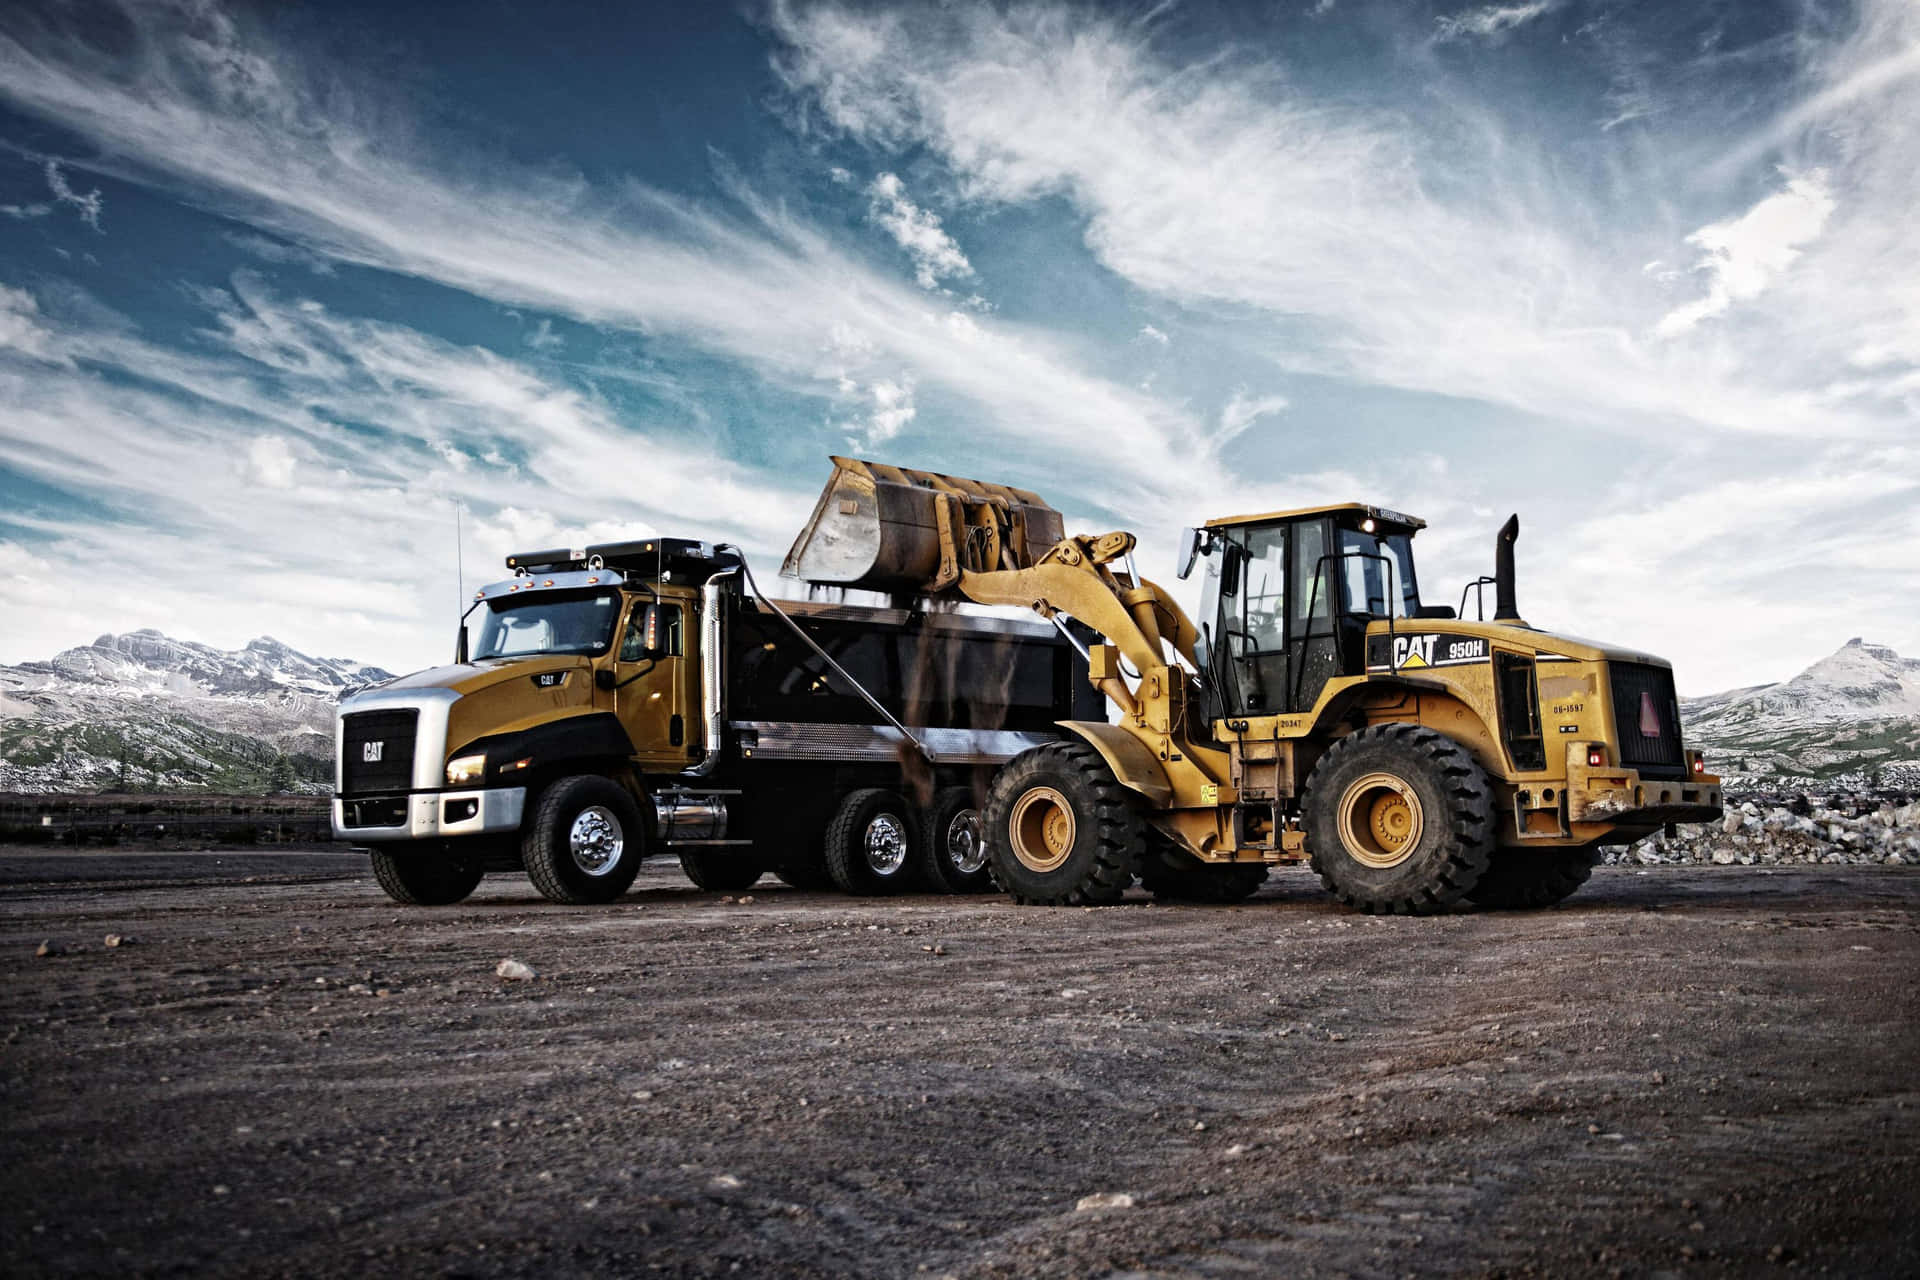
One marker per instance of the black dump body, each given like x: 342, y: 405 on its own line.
x: 943, y: 670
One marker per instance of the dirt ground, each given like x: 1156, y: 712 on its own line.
x: 1682, y: 1070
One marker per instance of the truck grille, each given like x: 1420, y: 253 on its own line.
x: 376, y: 751
x: 1646, y: 719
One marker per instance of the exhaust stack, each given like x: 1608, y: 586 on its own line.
x: 1504, y: 609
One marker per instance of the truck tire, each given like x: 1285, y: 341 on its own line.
x: 952, y: 846
x: 424, y: 880
x: 869, y: 843
x: 1528, y: 879
x: 721, y: 872
x: 1171, y: 874
x: 1061, y: 830
x: 586, y: 840
x: 1399, y: 820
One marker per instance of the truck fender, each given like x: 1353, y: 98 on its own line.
x: 1132, y: 761
x: 588, y: 736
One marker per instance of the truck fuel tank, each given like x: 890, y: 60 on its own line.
x: 892, y: 529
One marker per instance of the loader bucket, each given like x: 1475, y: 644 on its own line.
x: 882, y: 528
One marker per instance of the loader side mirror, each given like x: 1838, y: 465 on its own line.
x: 1189, y: 551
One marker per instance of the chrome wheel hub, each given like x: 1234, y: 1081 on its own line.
x: 886, y: 844
x: 595, y: 840
x: 966, y: 851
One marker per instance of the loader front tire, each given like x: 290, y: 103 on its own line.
x: 423, y: 880
x: 586, y: 840
x: 1529, y: 879
x: 1060, y: 828
x: 1399, y: 820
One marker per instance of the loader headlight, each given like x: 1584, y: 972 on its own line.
x: 464, y: 769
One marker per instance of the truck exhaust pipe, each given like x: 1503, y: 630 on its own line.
x: 1504, y: 609
x: 713, y: 672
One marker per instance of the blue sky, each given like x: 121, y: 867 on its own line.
x: 279, y: 286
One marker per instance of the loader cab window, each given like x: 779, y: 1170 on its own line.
x: 1376, y: 573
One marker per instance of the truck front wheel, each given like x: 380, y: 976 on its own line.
x: 585, y: 842
x: 1060, y: 829
x: 424, y: 880
x: 1399, y: 820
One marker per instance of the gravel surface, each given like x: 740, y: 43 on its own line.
x: 1694, y: 1070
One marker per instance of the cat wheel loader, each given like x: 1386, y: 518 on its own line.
x: 1321, y: 710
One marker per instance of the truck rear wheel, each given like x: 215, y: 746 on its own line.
x: 585, y: 842
x: 1174, y: 875
x: 1399, y: 820
x: 953, y: 847
x: 869, y: 843
x: 424, y: 880
x: 1528, y: 879
x: 720, y: 872
x: 1060, y: 828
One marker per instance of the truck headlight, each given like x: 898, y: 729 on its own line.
x: 464, y: 769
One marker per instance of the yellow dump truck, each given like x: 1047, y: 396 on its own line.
x: 615, y: 701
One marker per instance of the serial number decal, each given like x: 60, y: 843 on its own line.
x: 1431, y: 649
x: 1568, y: 708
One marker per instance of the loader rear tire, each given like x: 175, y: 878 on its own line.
x: 586, y: 840
x: 953, y: 848
x: 869, y: 843
x: 1061, y: 830
x: 721, y: 872
x: 423, y: 880
x: 1399, y: 820
x: 1529, y: 879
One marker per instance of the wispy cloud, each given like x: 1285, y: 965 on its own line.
x: 1742, y: 256
x: 1243, y: 410
x: 935, y: 255
x: 1487, y: 21
x: 88, y: 205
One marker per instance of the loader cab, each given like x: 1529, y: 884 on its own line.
x: 1287, y: 598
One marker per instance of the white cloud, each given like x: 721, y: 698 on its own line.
x: 935, y: 256
x: 270, y: 462
x: 22, y: 212
x: 88, y: 206
x: 1742, y: 256
x: 1487, y: 21
x: 1243, y: 410
x: 21, y: 326
x: 543, y: 338
x: 1154, y: 335
x: 195, y: 103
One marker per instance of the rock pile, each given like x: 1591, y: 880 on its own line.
x: 1846, y: 828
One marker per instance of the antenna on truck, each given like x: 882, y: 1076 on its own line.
x: 459, y: 557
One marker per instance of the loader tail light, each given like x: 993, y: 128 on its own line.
x: 1596, y: 758
x: 1699, y: 764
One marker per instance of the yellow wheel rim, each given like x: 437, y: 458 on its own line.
x: 1041, y: 829
x: 1380, y: 820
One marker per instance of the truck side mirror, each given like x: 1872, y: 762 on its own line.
x: 460, y: 645
x: 1189, y: 551
x: 604, y: 679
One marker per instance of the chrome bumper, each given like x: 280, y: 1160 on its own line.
x: 441, y: 814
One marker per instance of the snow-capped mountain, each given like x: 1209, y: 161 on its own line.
x: 1851, y: 718
x: 144, y: 710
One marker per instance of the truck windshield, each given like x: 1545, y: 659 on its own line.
x: 1366, y: 579
x: 518, y: 626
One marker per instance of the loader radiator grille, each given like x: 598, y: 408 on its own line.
x: 1646, y: 719
x: 376, y: 751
